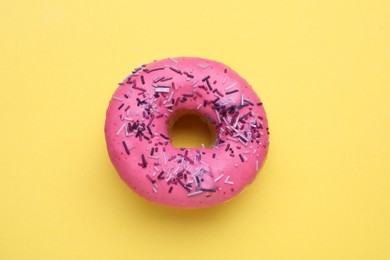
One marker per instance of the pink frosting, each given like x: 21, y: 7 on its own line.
x: 138, y: 141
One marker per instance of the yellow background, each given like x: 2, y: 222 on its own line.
x: 321, y: 68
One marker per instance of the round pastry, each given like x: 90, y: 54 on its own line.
x: 140, y: 116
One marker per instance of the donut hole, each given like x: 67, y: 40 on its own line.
x: 190, y: 129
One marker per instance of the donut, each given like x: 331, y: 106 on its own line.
x: 138, y: 126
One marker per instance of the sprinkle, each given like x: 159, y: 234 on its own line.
x: 242, y: 158
x: 203, y: 66
x: 154, y: 69
x: 208, y: 85
x: 259, y: 104
x: 242, y: 138
x: 149, y: 130
x: 165, y: 158
x: 141, y: 89
x: 218, y: 178
x: 257, y: 165
x: 229, y: 182
x: 208, y: 190
x: 157, y: 79
x: 165, y: 79
x: 160, y: 176
x: 150, y: 178
x: 170, y: 189
x: 194, y: 193
x: 194, y: 83
x: 231, y: 92
x: 224, y: 81
x: 198, y: 107
x: 205, y: 78
x: 233, y: 139
x: 154, y: 189
x: 119, y: 108
x: 175, y: 69
x: 161, y: 90
x: 216, y: 112
x: 165, y: 137
x: 121, y: 128
x: 144, y: 163
x: 182, y: 184
x: 126, y: 148
x: 227, y: 147
x: 142, y: 80
x: 188, y: 74
x: 231, y: 86
x: 219, y: 93
x: 117, y: 98
x: 173, y: 60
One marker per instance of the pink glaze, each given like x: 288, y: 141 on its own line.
x: 137, y: 123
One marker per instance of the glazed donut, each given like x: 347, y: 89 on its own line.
x: 142, y: 111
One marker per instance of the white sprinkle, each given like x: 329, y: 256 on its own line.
x: 154, y: 189
x: 245, y: 158
x: 173, y: 60
x: 153, y: 157
x: 203, y: 163
x: 218, y: 178
x: 233, y: 139
x: 154, y: 174
x: 155, y: 167
x: 227, y: 179
x: 254, y: 151
x: 120, y: 129
x: 257, y: 165
x: 128, y: 118
x: 219, y: 119
x: 194, y: 193
x: 159, y: 90
x: 224, y: 81
x: 235, y: 123
x: 117, y: 98
x: 229, y: 182
x: 231, y: 86
x: 194, y: 83
x: 198, y: 107
x: 165, y: 158
x: 242, y: 100
x: 203, y: 66
x: 203, y: 146
x: 170, y: 97
x: 246, y: 151
x: 177, y: 169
